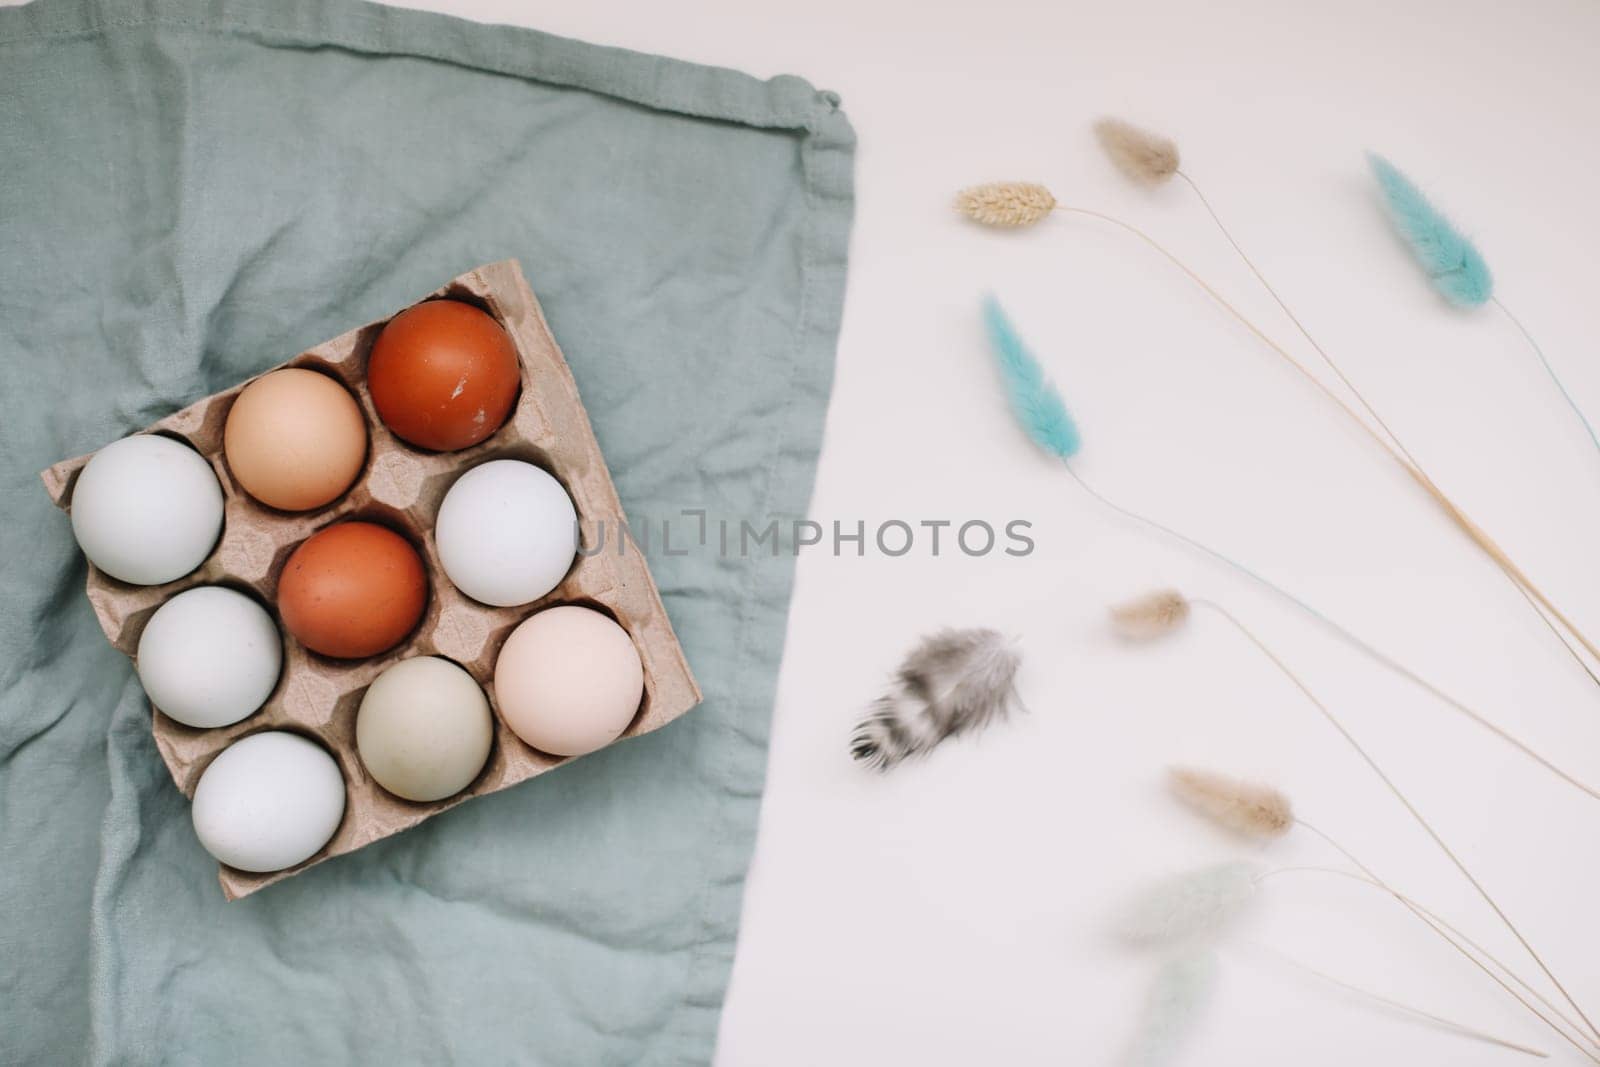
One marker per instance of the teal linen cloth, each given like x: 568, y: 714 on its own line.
x: 191, y: 191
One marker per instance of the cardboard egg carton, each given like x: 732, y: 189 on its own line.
x: 401, y: 487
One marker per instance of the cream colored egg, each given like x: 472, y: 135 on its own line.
x: 568, y: 680
x: 424, y: 729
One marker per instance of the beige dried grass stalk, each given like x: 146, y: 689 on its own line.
x: 1150, y: 616
x: 1444, y: 1023
x: 1141, y: 155
x: 1366, y: 405
x: 1006, y: 205
x: 1338, y: 725
x: 1446, y: 930
x: 1345, y: 634
x: 1244, y: 807
x: 1464, y: 522
x: 1264, y: 811
x: 997, y: 205
x: 1461, y: 942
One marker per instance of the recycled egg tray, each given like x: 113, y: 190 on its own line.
x: 401, y: 487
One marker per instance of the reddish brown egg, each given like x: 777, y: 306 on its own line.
x: 352, y: 590
x: 443, y: 375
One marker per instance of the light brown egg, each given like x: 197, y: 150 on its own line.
x: 295, y: 439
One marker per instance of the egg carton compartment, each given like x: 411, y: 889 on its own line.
x: 401, y: 487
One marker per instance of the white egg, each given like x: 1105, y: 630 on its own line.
x: 507, y: 533
x: 209, y: 656
x: 146, y: 509
x: 268, y: 801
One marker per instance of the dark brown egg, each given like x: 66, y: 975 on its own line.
x: 443, y: 375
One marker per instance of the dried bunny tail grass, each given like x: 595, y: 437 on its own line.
x: 1451, y: 261
x: 1186, y: 907
x: 1178, y: 993
x: 1334, y: 721
x: 1354, y: 640
x: 1129, y: 145
x: 1243, y: 807
x: 1139, y: 154
x: 1151, y: 615
x: 1035, y: 401
x: 1006, y: 204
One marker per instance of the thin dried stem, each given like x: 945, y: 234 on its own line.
x: 1334, y: 721
x: 1548, y: 369
x: 1539, y: 352
x: 1333, y: 366
x: 1442, y: 925
x: 1458, y: 941
x: 1355, y: 641
x: 1577, y: 657
x: 1366, y: 405
x: 1459, y: 517
x: 1440, y: 1021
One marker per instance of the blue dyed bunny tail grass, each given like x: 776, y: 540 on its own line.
x: 1034, y: 400
x: 1177, y: 996
x: 1454, y: 264
x: 1451, y: 261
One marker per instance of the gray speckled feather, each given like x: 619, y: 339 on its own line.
x: 951, y: 683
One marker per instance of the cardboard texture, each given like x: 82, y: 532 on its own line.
x: 401, y: 487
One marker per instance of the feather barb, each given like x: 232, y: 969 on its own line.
x: 953, y: 682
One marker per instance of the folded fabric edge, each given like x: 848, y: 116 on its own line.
x: 782, y: 102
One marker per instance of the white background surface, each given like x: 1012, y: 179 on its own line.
x: 956, y: 912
